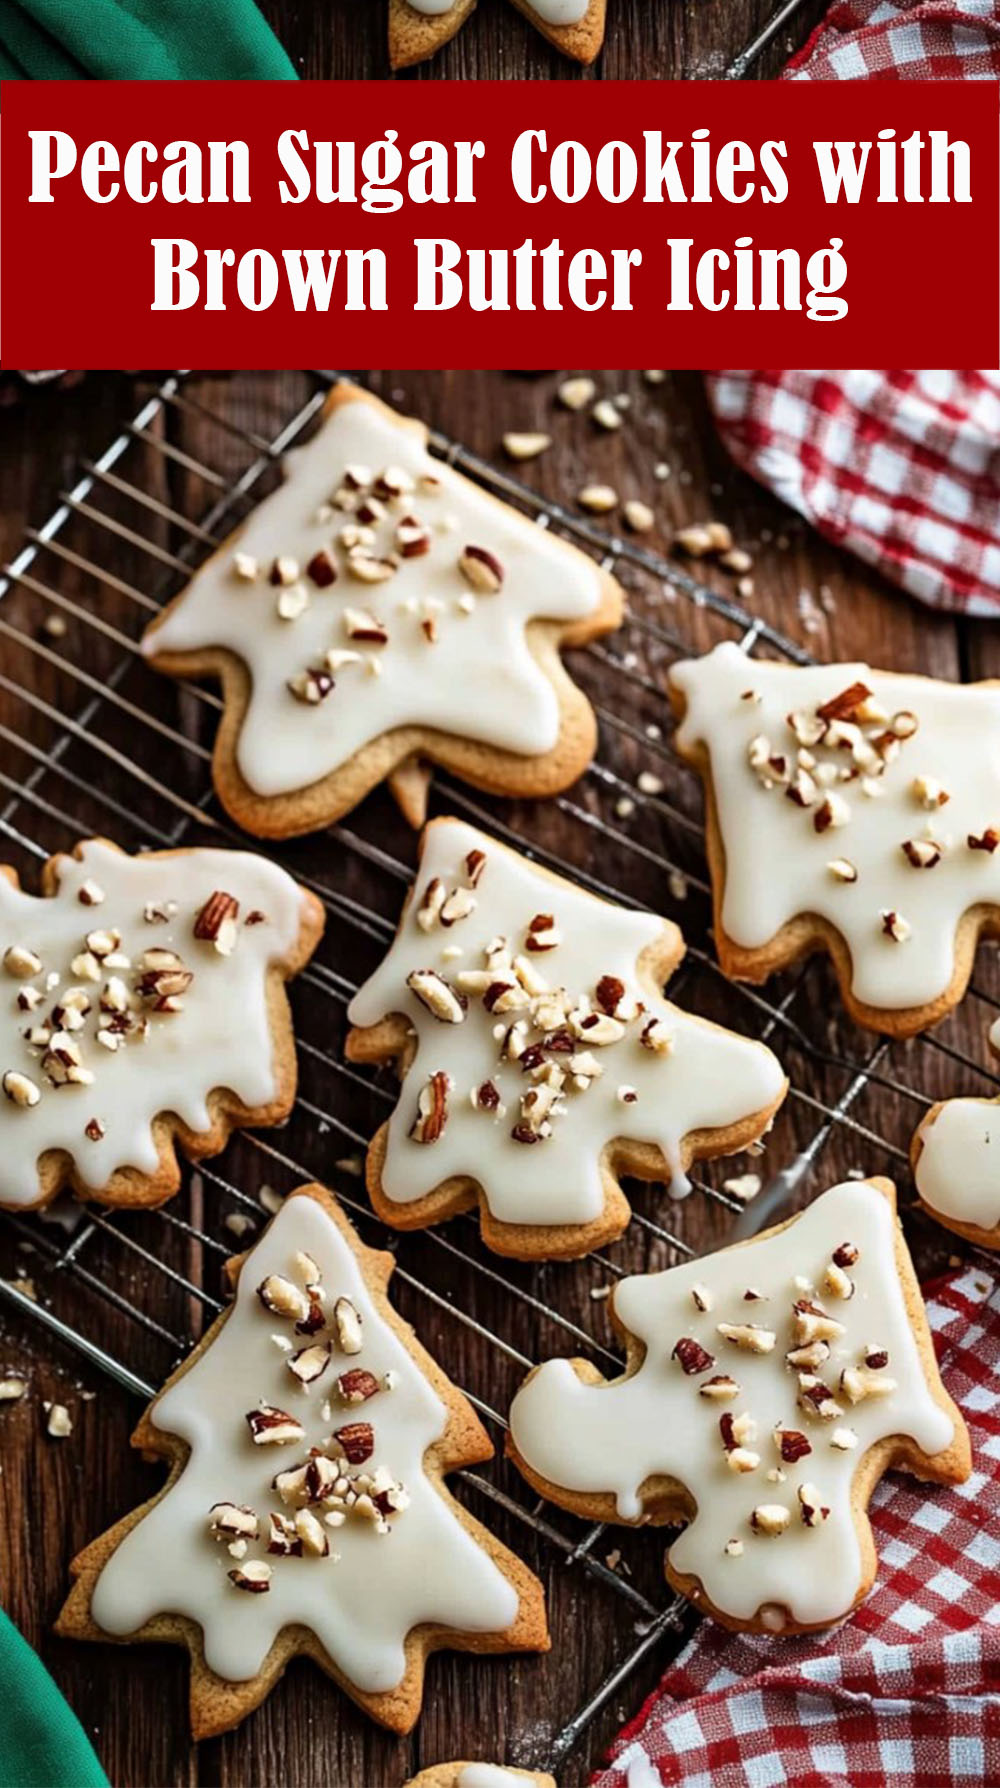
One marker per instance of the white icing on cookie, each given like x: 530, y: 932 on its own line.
x: 441, y: 642
x: 958, y: 1170
x: 98, y: 1037
x: 592, y: 1439
x: 882, y: 851
x: 382, y: 1577
x: 598, y: 1083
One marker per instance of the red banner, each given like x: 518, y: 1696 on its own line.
x: 494, y: 224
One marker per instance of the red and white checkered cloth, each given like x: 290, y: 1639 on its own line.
x: 908, y: 1690
x: 903, y: 468
x: 927, y: 40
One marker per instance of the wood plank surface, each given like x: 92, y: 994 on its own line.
x: 54, y: 1495
x: 645, y: 40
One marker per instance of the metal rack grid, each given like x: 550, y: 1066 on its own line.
x: 100, y: 743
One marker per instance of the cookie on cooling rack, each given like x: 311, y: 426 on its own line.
x: 853, y: 811
x: 767, y: 1389
x: 539, y: 1060
x: 308, y: 1437
x: 144, y: 1008
x: 377, y: 611
x: 419, y: 28
x: 478, y: 1775
x: 955, y: 1155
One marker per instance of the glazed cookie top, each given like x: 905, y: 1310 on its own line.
x: 870, y: 800
x: 376, y: 589
x: 305, y: 1499
x: 770, y: 1370
x: 138, y: 988
x: 538, y: 1042
x: 958, y: 1169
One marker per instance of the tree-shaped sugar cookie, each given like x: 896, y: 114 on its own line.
x: 767, y: 1388
x: 305, y: 1512
x: 849, y: 810
x: 539, y: 1058
x: 142, y: 1007
x: 419, y: 28
x: 479, y: 1775
x: 379, y: 610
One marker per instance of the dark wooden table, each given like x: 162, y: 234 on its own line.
x: 55, y: 1494
x: 645, y: 40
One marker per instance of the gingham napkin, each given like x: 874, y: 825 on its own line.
x: 930, y: 40
x: 908, y: 1690
x: 903, y: 468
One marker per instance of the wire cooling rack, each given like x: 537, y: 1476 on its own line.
x: 91, y: 740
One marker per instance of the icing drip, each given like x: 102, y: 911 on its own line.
x: 596, y: 1082
x: 958, y: 1171
x: 593, y: 1439
x: 381, y: 1577
x: 98, y: 1037
x: 892, y: 830
x: 438, y: 642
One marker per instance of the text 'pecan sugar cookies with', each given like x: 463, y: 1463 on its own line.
x: 539, y: 1059
x: 852, y: 810
x: 418, y: 28
x: 377, y: 611
x: 306, y: 1512
x: 142, y: 1007
x: 767, y: 1389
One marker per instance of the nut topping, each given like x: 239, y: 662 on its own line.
x: 21, y: 962
x: 691, y: 1356
x: 347, y: 1320
x: 216, y: 923
x: 747, y: 1335
x: 481, y: 570
x: 356, y: 1441
x: 984, y: 841
x: 232, y: 1521
x: 791, y: 1444
x: 770, y: 1518
x: 357, y: 1385
x: 923, y: 853
x: 322, y: 568
x: 432, y: 1109
x: 270, y: 1426
x: 254, y: 1576
x: 282, y: 1298
x: 432, y: 991
x: 719, y: 1389
x: 813, y: 1511
x: 311, y: 686
x: 309, y: 1363
x: 20, y: 1089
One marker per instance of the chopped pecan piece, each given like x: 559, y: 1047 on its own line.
x: 270, y: 1426
x: 356, y: 1386
x: 691, y: 1356
x: 216, y: 922
x: 347, y: 1319
x: 356, y: 1440
x: 254, y: 1576
x: 432, y: 1109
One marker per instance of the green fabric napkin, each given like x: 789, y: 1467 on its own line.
x: 138, y: 40
x: 42, y: 1744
